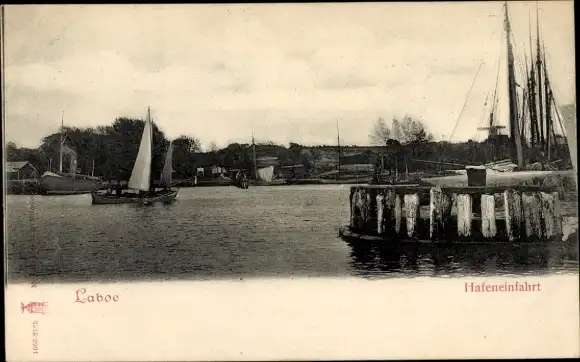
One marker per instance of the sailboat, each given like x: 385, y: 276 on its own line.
x: 67, y: 183
x: 264, y: 176
x: 140, y: 180
x: 333, y: 178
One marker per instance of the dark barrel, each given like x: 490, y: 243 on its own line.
x: 476, y: 175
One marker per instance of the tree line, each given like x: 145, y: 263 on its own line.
x: 110, y: 151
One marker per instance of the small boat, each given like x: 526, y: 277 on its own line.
x: 140, y: 182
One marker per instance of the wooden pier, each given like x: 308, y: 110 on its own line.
x: 463, y: 214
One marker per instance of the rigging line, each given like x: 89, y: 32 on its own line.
x: 481, y: 118
x: 465, y: 103
x: 472, y: 84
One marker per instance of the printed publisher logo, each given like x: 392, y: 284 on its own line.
x: 34, y: 307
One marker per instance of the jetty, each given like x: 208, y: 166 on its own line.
x: 473, y: 214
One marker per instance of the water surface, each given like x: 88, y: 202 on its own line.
x: 225, y: 232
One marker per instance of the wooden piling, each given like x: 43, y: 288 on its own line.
x: 358, y: 211
x: 389, y: 212
x: 488, y: 223
x: 446, y: 204
x: 464, y: 215
x: 398, y: 213
x: 551, y: 215
x: 436, y: 210
x: 352, y: 206
x: 412, y: 214
x: 380, y: 213
x: 532, y: 211
x: 513, y: 214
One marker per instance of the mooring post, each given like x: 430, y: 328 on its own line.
x: 464, y: 215
x: 380, y: 213
x: 532, y: 210
x: 398, y: 214
x: 551, y: 215
x: 436, y: 210
x: 353, y: 203
x: 412, y: 214
x: 488, y: 223
x: 389, y: 211
x: 358, y: 211
x: 513, y: 214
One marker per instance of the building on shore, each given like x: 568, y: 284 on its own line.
x: 21, y: 177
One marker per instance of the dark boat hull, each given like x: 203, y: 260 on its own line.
x: 109, y: 199
x: 67, y: 185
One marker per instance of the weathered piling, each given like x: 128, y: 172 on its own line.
x: 464, y: 215
x: 532, y: 212
x: 380, y: 212
x: 513, y: 214
x: 393, y: 212
x: 488, y: 221
x: 551, y: 215
x: 398, y: 214
x: 412, y: 214
x: 436, y: 212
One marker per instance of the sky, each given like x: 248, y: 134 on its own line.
x: 286, y: 72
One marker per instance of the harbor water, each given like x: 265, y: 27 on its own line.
x: 228, y: 233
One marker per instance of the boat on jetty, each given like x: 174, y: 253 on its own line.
x: 67, y: 183
x: 141, y: 182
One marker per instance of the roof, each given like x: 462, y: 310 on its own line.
x: 15, y: 166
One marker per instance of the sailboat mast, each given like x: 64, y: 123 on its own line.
x: 61, y: 140
x: 549, y: 123
x: 338, y: 145
x: 254, y: 156
x: 513, y: 104
x: 539, y: 71
x: 149, y: 124
x: 532, y: 94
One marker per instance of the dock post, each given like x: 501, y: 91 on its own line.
x: 398, y: 213
x: 380, y: 213
x: 412, y: 214
x: 464, y: 215
x: 488, y: 223
x: 389, y: 211
x: 358, y: 210
x: 352, y: 207
x: 436, y: 210
x: 532, y: 210
x: 551, y: 215
x: 513, y: 214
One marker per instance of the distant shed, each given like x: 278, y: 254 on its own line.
x: 20, y: 170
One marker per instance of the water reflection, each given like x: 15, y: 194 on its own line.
x: 419, y: 259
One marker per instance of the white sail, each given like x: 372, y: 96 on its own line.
x: 266, y: 173
x: 167, y: 167
x: 141, y: 174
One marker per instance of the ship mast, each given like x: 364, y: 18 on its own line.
x: 338, y: 146
x: 513, y: 104
x: 543, y: 135
x: 61, y: 140
x: 254, y: 156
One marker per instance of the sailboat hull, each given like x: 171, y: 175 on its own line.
x: 109, y: 199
